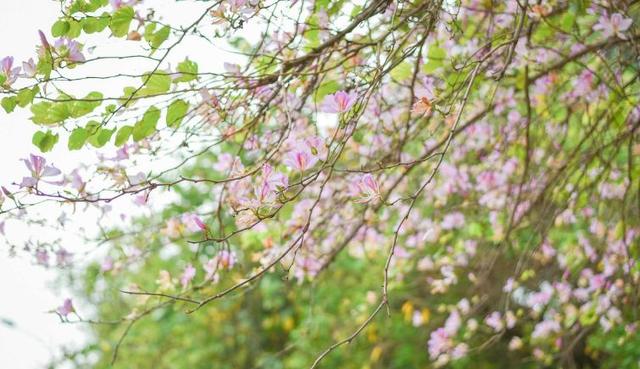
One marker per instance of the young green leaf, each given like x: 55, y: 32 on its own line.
x: 147, y: 126
x: 45, y: 141
x: 77, y: 138
x: 176, y: 113
x: 120, y: 21
x: 123, y: 135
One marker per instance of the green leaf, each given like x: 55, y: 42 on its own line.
x: 60, y: 112
x: 95, y: 24
x: 176, y: 112
x: 9, y: 103
x: 45, y: 141
x: 147, y: 126
x: 156, y: 84
x: 88, y: 104
x: 402, y: 71
x: 60, y: 28
x: 101, y: 137
x: 149, y: 29
x: 156, y: 39
x: 25, y: 96
x: 77, y: 138
x: 75, y: 28
x: 189, y: 71
x: 120, y: 21
x: 123, y: 135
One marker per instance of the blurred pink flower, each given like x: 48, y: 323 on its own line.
x: 339, y: 102
x: 187, y: 276
x: 193, y: 222
x: 615, y: 24
x: 300, y: 159
x: 66, y: 308
x: 368, y: 189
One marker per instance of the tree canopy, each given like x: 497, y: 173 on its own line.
x: 337, y: 184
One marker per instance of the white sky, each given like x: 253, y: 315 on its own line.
x: 25, y: 296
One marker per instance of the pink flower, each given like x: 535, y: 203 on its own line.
x: 38, y: 168
x: 453, y: 220
x: 459, y: 351
x: 439, y: 343
x: 6, y: 69
x: 107, y: 264
x: 69, y: 49
x: 307, y: 266
x: 45, y: 43
x: 339, y: 102
x: 66, y: 308
x: 300, y: 159
x: 226, y: 259
x: 316, y: 146
x: 188, y: 274
x: 227, y: 163
x: 193, y: 222
x: 63, y: 257
x: 29, y: 68
x: 117, y: 4
x: 616, y: 24
x: 269, y: 184
x: 42, y: 257
x: 545, y: 328
x: 368, y: 189
x: 494, y: 320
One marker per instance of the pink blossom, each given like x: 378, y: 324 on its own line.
x: 339, y: 102
x: 545, y: 328
x: 29, y: 68
x: 307, y: 266
x: 66, y: 308
x: 494, y: 320
x: 439, y: 343
x: 69, y: 49
x: 368, y: 189
x: 270, y: 182
x: 117, y: 4
x: 316, y: 146
x: 42, y: 257
x: 453, y: 323
x: 300, y: 159
x: 107, y: 264
x: 63, y: 257
x: 459, y: 351
x: 187, y: 276
x: 452, y: 220
x: 7, y: 70
x: 193, y: 222
x: 616, y: 24
x: 38, y: 168
x: 45, y: 46
x: 226, y: 259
